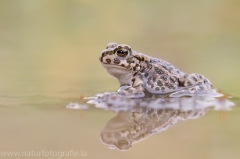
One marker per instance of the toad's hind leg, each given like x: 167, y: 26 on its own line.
x: 191, y: 80
x: 195, y: 85
x: 131, y: 92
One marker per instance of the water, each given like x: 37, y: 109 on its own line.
x: 189, y: 127
x: 138, y: 119
x: 49, y: 62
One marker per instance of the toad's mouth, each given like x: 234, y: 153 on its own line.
x: 107, y: 65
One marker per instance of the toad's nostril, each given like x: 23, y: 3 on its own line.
x: 116, y: 61
x: 108, y: 60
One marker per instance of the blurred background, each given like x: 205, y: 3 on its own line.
x: 51, y: 47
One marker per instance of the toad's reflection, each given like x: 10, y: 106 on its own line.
x: 137, y: 119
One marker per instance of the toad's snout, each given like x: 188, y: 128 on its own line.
x: 104, y: 56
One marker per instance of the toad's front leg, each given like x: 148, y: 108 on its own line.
x: 131, y: 92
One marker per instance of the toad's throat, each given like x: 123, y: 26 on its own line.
x: 123, y: 74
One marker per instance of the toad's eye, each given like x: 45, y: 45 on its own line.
x: 122, y: 53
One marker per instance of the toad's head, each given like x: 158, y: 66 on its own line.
x: 118, y: 61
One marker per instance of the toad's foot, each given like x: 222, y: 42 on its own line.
x: 131, y: 92
x: 196, y: 91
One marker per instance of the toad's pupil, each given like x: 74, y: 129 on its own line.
x: 122, y: 53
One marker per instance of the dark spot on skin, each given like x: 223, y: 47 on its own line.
x: 170, y: 69
x: 108, y: 60
x: 149, y: 65
x: 181, y: 84
x: 129, y: 60
x: 133, y: 80
x: 122, y: 65
x: 199, y: 76
x: 157, y: 89
x: 165, y: 67
x: 169, y: 86
x: 186, y: 75
x: 194, y: 78
x: 152, y: 85
x: 160, y: 111
x: 146, y: 75
x: 164, y: 77
x: 172, y: 79
x: 205, y: 81
x: 162, y: 88
x: 104, y: 54
x: 142, y: 70
x: 137, y: 57
x: 143, y: 59
x: 159, y: 83
x: 154, y: 79
x: 116, y: 61
x: 134, y: 68
x: 149, y: 82
x: 159, y: 71
x: 150, y: 78
x: 135, y: 74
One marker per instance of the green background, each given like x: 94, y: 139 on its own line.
x: 52, y: 46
